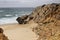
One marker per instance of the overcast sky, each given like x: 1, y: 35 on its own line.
x: 25, y: 3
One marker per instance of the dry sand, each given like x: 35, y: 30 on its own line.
x: 19, y: 32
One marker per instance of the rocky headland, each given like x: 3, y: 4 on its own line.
x: 47, y: 17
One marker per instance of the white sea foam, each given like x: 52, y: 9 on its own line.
x: 8, y: 20
x: 8, y: 15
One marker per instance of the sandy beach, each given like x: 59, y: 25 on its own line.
x: 19, y: 32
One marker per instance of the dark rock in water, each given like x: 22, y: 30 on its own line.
x: 24, y: 17
x: 22, y: 20
x: 2, y: 36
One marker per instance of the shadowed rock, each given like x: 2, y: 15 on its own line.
x: 48, y: 19
x: 24, y: 19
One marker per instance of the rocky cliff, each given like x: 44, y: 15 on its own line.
x: 48, y: 19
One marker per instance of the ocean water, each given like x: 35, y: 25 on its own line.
x: 9, y: 15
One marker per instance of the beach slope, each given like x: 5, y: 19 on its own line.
x: 19, y: 32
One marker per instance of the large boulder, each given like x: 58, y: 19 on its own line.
x: 2, y: 36
x: 24, y: 19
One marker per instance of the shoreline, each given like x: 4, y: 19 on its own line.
x: 17, y: 31
x: 8, y: 24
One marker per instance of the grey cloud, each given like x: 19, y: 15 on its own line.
x: 25, y: 3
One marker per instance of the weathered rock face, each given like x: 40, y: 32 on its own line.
x: 48, y: 31
x: 2, y: 36
x: 22, y: 20
x: 48, y: 19
x: 46, y: 11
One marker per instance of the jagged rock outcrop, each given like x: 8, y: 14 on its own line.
x: 2, y: 36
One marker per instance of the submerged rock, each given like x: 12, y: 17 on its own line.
x: 2, y: 36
